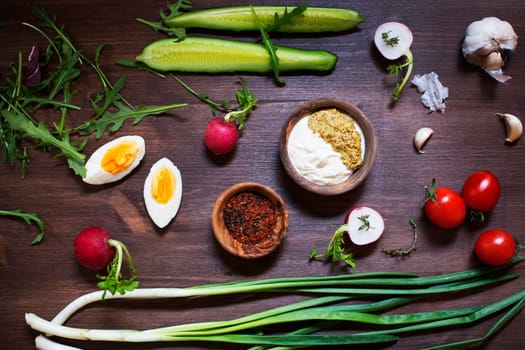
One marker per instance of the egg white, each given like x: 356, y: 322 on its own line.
x: 96, y: 175
x: 162, y: 213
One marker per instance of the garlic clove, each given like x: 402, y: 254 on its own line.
x: 421, y: 137
x: 513, y: 125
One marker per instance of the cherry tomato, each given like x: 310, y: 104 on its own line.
x: 481, y: 191
x: 495, y: 247
x: 444, y: 207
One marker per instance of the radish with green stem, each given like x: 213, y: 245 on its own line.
x: 96, y: 250
x: 393, y: 40
x: 221, y: 134
x: 363, y: 225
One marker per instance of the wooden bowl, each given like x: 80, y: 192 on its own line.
x: 250, y: 250
x: 359, y: 175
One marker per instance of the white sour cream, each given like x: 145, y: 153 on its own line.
x: 314, y: 158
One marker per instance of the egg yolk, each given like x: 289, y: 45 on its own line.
x: 119, y: 157
x: 163, y: 185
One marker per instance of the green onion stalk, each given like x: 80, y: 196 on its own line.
x: 330, y: 302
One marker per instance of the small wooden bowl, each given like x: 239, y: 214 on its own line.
x: 359, y: 175
x: 245, y: 250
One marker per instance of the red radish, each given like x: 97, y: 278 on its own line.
x: 221, y: 136
x: 364, y: 225
x: 92, y: 249
x: 96, y: 250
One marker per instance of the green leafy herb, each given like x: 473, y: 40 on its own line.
x: 404, y: 251
x: 389, y: 41
x: 174, y: 10
x: 235, y: 112
x: 365, y: 223
x: 54, y: 92
x: 396, y: 69
x: 336, y: 250
x: 286, y: 18
x: 113, y: 282
x: 246, y: 102
x: 29, y: 218
x: 40, y: 133
x: 113, y: 121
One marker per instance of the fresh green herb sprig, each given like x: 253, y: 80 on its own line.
x: 365, y: 223
x: 29, y: 218
x: 336, y: 250
x: 405, y: 251
x: 278, y: 21
x: 62, y: 62
x: 390, y: 41
x: 113, y: 282
x: 235, y: 112
x: 174, y: 10
x: 396, y: 69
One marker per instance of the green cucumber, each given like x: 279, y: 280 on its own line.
x: 212, y: 55
x: 240, y: 18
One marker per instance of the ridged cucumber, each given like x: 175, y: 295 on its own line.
x: 212, y: 55
x: 240, y: 18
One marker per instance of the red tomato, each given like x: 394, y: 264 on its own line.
x: 495, y: 247
x: 444, y: 207
x: 481, y: 191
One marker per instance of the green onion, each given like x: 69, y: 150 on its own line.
x: 332, y: 302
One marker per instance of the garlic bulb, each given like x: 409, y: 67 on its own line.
x: 485, y: 43
x: 513, y: 126
x: 421, y: 137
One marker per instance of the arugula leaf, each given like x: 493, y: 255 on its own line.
x: 270, y: 47
x: 41, y: 133
x: 66, y: 72
x: 174, y: 10
x: 29, y: 218
x: 286, y: 18
x: 19, y: 102
x: 110, y: 96
x: 113, y: 121
x: 278, y: 21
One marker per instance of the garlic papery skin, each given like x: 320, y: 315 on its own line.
x: 421, y: 137
x: 485, y: 42
x: 513, y: 125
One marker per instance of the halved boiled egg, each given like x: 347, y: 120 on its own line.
x: 114, y: 160
x: 163, y: 192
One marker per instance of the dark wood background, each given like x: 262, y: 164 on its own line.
x: 468, y: 137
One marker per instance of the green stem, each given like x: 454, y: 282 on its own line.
x: 409, y: 63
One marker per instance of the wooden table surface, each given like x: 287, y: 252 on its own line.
x: 468, y: 137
